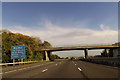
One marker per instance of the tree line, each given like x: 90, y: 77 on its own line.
x: 32, y: 46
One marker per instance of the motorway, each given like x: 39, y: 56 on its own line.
x: 61, y: 69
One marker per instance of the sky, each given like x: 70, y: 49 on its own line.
x: 64, y: 23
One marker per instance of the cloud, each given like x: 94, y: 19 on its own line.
x: 104, y: 27
x: 58, y: 35
x: 70, y: 36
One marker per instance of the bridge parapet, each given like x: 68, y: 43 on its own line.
x: 81, y: 47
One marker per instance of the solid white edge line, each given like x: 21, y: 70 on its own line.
x: 11, y: 71
x: 26, y: 68
x: 20, y: 69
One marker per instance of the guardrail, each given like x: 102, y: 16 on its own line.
x: 27, y: 62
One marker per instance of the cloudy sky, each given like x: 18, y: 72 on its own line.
x: 64, y: 23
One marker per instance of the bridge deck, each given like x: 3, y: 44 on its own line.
x: 81, y: 48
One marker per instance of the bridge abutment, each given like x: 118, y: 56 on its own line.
x: 86, y: 53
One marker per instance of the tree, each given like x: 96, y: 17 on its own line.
x: 32, y: 45
x: 46, y: 44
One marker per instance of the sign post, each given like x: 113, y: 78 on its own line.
x: 13, y: 62
x: 17, y: 52
x: 22, y: 60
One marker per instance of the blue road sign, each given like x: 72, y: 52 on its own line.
x: 17, y: 52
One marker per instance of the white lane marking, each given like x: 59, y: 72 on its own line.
x: 0, y: 73
x: 75, y: 64
x: 27, y: 68
x: 115, y: 67
x: 111, y: 67
x: 32, y: 66
x: 20, y: 69
x: 14, y: 70
x: 51, y: 62
x: 39, y: 65
x: 24, y: 68
x: 11, y: 71
x: 35, y: 66
x: 79, y: 69
x: 44, y: 70
x: 6, y: 72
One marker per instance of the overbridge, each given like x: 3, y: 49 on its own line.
x: 85, y: 48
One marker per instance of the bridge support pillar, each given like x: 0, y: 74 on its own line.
x: 86, y: 53
x: 111, y: 53
x: 106, y: 52
x: 46, y: 56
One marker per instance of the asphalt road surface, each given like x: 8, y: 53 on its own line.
x: 61, y: 69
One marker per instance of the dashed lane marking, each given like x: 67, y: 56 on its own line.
x: 79, y: 69
x: 44, y: 70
